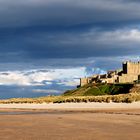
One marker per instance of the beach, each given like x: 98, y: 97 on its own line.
x: 83, y: 121
x: 74, y: 106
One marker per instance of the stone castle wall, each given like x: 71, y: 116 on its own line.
x: 84, y: 81
x: 127, y: 78
x: 130, y: 73
x: 111, y: 80
x: 132, y: 68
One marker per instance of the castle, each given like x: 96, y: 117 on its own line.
x: 130, y: 73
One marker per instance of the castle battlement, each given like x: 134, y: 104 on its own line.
x: 131, y: 62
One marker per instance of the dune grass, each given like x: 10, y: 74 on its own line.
x: 122, y: 98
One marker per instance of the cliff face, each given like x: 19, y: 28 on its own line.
x: 100, y: 89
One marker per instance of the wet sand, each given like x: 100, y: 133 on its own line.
x: 70, y: 124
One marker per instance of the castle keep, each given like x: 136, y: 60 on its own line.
x: 129, y: 73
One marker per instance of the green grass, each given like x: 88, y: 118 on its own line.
x: 93, y: 91
x: 100, y: 89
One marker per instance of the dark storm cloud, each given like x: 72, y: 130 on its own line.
x: 17, y: 13
x: 60, y: 31
x: 44, y: 45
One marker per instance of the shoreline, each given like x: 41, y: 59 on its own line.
x: 73, y: 106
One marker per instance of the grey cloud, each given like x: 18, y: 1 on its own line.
x: 84, y: 45
x: 65, y: 33
x: 45, y: 48
x: 66, y: 13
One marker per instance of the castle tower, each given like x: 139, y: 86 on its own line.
x: 132, y: 68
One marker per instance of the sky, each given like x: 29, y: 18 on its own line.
x: 47, y: 45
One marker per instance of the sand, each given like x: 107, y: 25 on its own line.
x: 91, y: 121
x: 75, y: 106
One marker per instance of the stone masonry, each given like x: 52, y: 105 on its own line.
x: 129, y: 73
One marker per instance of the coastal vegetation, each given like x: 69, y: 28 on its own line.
x: 100, y: 89
x: 121, y: 98
x: 118, y: 93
